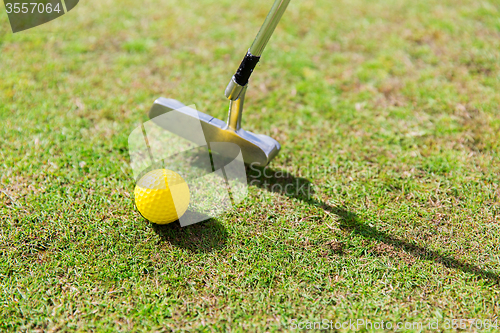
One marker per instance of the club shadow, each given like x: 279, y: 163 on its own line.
x: 279, y: 181
x: 276, y: 181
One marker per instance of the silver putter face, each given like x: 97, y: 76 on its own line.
x: 256, y: 149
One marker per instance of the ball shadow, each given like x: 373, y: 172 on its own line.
x: 203, y: 237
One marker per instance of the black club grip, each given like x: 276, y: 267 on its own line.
x: 246, y: 68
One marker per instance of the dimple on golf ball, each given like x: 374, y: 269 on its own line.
x: 162, y: 196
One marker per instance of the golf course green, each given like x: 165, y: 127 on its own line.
x: 383, y: 204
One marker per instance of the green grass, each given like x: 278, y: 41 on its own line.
x: 389, y: 109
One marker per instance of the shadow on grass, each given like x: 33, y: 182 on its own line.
x: 300, y: 188
x: 198, y: 238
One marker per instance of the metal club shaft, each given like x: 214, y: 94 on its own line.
x: 268, y: 27
x: 240, y: 78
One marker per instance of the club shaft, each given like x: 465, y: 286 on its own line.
x: 268, y: 27
x: 242, y: 75
x: 236, y: 111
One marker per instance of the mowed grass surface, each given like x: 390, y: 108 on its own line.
x: 389, y: 109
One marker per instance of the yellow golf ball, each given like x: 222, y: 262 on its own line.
x: 162, y: 196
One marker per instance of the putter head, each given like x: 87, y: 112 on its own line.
x: 256, y: 149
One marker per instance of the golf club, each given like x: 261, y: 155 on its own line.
x: 257, y: 149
